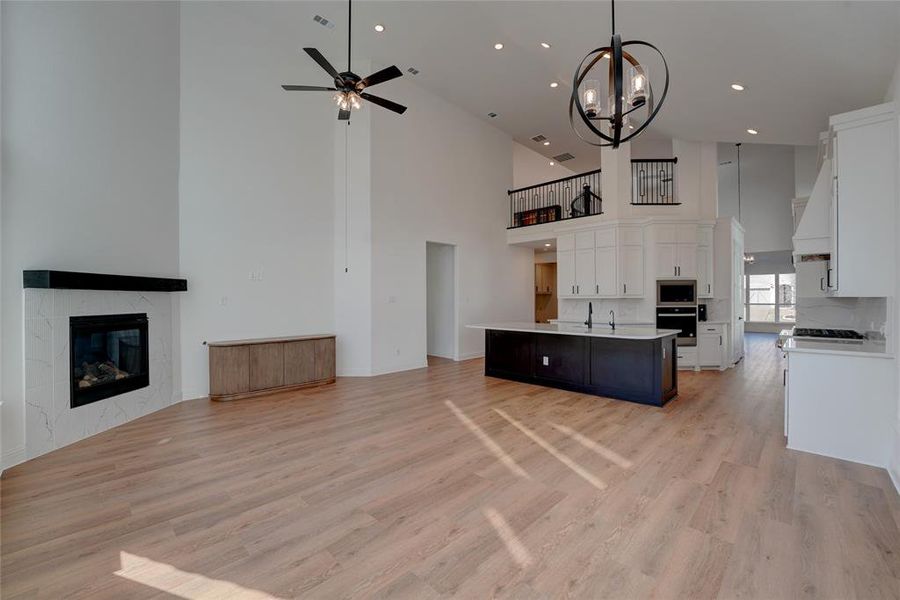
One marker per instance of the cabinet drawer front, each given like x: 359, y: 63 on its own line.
x: 714, y: 328
x: 325, y: 359
x: 299, y: 362
x: 266, y: 366
x: 229, y: 370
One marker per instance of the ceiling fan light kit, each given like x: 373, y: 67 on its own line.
x: 348, y: 86
x: 627, y: 95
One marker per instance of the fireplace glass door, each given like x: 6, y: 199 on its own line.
x: 109, y: 356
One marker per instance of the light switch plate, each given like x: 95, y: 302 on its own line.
x: 546, y: 361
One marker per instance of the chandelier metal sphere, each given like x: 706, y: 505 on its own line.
x: 630, y: 104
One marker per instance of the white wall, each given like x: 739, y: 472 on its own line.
x: 440, y: 174
x: 90, y: 153
x: 256, y: 183
x: 767, y: 187
x: 805, y: 170
x: 441, y: 299
x: 530, y: 167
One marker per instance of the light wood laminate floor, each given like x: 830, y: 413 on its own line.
x: 440, y: 482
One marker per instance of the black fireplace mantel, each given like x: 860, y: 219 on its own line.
x: 71, y: 280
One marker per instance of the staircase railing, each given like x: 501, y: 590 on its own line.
x: 652, y: 184
x: 567, y: 198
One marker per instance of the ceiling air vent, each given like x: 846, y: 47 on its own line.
x: 539, y: 138
x: 323, y: 21
x: 413, y: 70
x: 563, y: 157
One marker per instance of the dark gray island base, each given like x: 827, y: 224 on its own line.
x: 637, y: 370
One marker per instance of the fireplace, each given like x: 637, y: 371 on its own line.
x: 109, y: 356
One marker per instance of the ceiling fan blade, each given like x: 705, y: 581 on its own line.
x: 381, y: 76
x: 307, y: 88
x: 343, y: 115
x: 317, y: 56
x: 397, y: 108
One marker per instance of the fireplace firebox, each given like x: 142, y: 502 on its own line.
x: 109, y: 356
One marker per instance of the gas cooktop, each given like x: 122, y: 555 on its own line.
x: 846, y: 335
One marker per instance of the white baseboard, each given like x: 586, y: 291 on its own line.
x: 354, y: 372
x: 12, y: 458
x: 895, y: 478
x: 470, y: 356
x: 401, y: 368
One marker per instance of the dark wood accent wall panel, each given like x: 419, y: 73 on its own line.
x: 245, y: 368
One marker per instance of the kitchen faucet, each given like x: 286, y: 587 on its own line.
x: 612, y: 319
x: 590, y: 321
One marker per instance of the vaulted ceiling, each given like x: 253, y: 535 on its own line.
x: 799, y: 61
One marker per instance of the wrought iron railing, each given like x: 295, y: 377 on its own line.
x: 567, y: 198
x: 653, y: 182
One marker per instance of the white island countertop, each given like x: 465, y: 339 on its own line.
x: 601, y: 331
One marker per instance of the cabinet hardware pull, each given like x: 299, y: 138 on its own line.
x: 828, y: 278
x: 577, y: 289
x: 598, y: 288
x: 624, y: 288
x: 822, y: 283
x: 784, y: 377
x: 720, y: 340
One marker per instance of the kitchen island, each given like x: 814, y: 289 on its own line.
x: 638, y: 364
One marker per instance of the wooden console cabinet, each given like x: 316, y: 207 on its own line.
x: 246, y: 368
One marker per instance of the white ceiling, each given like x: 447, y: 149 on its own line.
x: 800, y: 61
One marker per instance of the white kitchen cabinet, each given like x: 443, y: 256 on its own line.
x: 841, y: 405
x: 811, y: 276
x: 864, y: 193
x: 687, y: 357
x: 631, y: 271
x: 565, y: 273
x: 584, y: 272
x: 565, y: 242
x: 584, y: 240
x: 711, y: 345
x: 704, y: 272
x: 630, y: 262
x: 606, y: 280
x: 729, y: 283
x: 676, y: 251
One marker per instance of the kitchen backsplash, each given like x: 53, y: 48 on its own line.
x: 627, y: 311
x: 866, y: 315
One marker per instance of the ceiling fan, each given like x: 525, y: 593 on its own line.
x: 348, y: 86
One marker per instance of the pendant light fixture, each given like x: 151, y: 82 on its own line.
x: 621, y: 109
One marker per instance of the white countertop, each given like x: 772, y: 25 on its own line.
x: 601, y: 331
x: 868, y: 348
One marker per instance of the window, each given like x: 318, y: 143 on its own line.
x: 771, y: 298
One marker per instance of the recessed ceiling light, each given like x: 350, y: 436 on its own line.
x: 547, y: 143
x: 379, y: 27
x: 498, y: 46
x: 545, y: 45
x: 547, y: 245
x: 737, y: 87
x: 553, y: 84
x: 752, y: 131
x: 552, y: 163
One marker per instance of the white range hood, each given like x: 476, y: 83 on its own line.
x: 813, y: 234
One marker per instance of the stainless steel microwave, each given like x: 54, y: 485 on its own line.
x: 676, y: 292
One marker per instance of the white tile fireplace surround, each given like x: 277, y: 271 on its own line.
x: 49, y: 421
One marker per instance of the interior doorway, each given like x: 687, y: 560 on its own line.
x: 546, y: 306
x: 440, y: 301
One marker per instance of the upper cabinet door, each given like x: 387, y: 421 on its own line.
x: 704, y: 272
x: 687, y: 260
x: 584, y: 273
x: 667, y: 234
x: 631, y: 271
x: 565, y: 242
x: 565, y: 273
x: 584, y: 240
x: 605, y: 268
x: 686, y: 234
x: 604, y: 238
x: 666, y: 265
